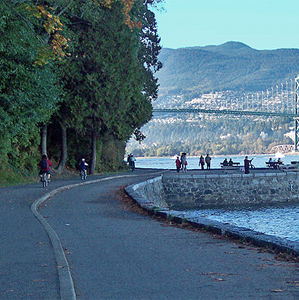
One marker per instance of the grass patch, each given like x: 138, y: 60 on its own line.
x: 10, y: 175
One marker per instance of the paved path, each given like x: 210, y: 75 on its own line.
x: 27, y: 264
x: 115, y: 253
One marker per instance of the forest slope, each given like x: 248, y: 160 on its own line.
x: 230, y: 66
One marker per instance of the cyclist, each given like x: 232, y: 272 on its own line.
x: 44, y: 166
x: 83, y: 166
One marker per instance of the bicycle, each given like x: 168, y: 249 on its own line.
x: 83, y: 175
x: 45, y: 181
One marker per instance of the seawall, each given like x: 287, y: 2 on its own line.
x: 217, y: 190
x: 149, y: 194
x: 281, y: 188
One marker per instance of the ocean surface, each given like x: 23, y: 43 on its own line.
x: 280, y: 221
x: 259, y: 161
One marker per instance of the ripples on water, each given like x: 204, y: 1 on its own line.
x: 278, y: 221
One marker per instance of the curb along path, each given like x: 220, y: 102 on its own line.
x: 67, y: 290
x: 117, y: 254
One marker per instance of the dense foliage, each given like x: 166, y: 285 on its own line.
x: 79, y: 74
x: 217, y: 135
x: 29, y: 93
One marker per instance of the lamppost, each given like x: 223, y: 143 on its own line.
x: 287, y: 96
x: 296, y: 109
x: 272, y: 89
x: 281, y: 97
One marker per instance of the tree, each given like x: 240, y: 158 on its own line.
x: 106, y: 57
x: 112, y: 90
x: 29, y: 92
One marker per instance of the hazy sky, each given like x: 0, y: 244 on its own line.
x: 261, y: 24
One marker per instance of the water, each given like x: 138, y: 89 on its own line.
x: 278, y: 221
x: 281, y: 221
x: 259, y: 161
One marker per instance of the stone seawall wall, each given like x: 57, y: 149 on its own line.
x: 203, y: 191
x: 149, y: 194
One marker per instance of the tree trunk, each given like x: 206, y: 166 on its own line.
x: 44, y: 134
x: 63, y: 154
x: 93, y: 152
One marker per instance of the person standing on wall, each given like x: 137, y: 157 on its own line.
x: 184, y: 162
x: 202, y: 162
x: 132, y: 160
x: 247, y: 163
x: 208, y: 161
x: 178, y: 164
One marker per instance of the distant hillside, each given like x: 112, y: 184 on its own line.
x: 230, y: 66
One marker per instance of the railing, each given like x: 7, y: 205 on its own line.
x: 224, y: 112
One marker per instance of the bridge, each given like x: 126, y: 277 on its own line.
x: 283, y: 148
x: 279, y: 101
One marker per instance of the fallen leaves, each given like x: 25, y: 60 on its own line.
x: 277, y: 291
x: 295, y: 282
x: 188, y: 270
x: 217, y: 277
x: 39, y: 280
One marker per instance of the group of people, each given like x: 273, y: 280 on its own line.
x: 228, y: 163
x: 181, y: 163
x: 279, y: 161
x: 206, y: 160
x: 45, y: 164
x: 247, y: 164
x: 272, y: 163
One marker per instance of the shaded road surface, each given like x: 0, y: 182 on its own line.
x: 27, y: 264
x: 117, y: 254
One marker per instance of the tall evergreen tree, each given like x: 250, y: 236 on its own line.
x: 107, y: 79
x: 29, y: 92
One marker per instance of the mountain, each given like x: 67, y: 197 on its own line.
x: 231, y: 66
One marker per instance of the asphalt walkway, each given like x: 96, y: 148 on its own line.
x: 115, y: 253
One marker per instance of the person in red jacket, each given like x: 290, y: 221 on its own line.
x: 44, y: 166
x: 178, y: 164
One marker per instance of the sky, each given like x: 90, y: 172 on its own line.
x: 261, y: 24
